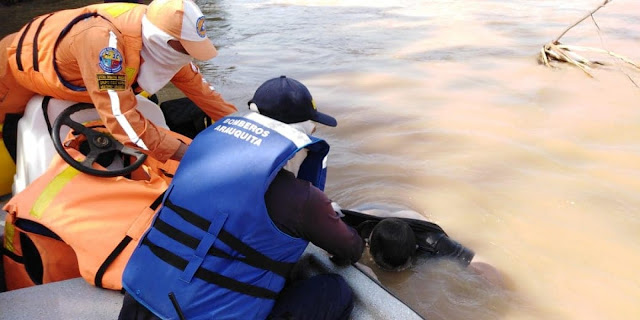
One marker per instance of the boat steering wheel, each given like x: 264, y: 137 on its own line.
x: 99, y: 143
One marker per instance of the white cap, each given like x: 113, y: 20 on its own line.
x: 183, y: 20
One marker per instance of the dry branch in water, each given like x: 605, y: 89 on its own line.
x: 555, y: 51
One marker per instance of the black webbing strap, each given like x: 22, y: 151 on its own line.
x: 252, y: 256
x: 20, y: 42
x: 35, y: 44
x: 189, y: 216
x: 119, y: 248
x: 37, y: 228
x: 45, y: 112
x: 11, y: 255
x: 280, y: 268
x: 166, y: 173
x: 154, y: 205
x: 208, y: 275
x: 107, y: 262
x: 10, y: 133
x: 55, y: 48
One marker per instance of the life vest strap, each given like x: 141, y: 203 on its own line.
x: 208, y: 275
x: 9, y: 133
x: 37, y: 228
x: 119, y: 248
x: 63, y: 33
x: 252, y: 257
x: 188, y: 216
x: 156, y: 203
x: 45, y: 113
x: 11, y: 255
x: 107, y: 262
x: 20, y: 42
x: 34, y: 55
x: 279, y: 268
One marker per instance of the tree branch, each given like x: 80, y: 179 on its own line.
x: 577, y: 22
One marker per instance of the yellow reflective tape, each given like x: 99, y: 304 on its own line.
x: 52, y: 190
x: 9, y: 232
x: 120, y: 8
x: 7, y: 171
x: 130, y: 72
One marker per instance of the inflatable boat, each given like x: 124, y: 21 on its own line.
x: 76, y: 298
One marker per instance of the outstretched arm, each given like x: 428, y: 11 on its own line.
x: 324, y: 228
x: 191, y: 82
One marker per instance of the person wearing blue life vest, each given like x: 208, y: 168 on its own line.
x: 241, y: 209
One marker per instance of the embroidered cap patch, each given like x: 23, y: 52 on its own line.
x: 202, y: 31
x: 111, y: 60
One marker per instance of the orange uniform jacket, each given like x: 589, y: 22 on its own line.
x: 65, y: 54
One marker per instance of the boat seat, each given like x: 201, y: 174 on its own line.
x: 35, y: 148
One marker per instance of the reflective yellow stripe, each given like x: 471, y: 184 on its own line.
x: 52, y: 190
x: 8, y: 169
x: 144, y: 94
x: 9, y: 231
x: 131, y: 73
x: 120, y: 8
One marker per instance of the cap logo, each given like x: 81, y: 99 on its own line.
x: 202, y: 31
x: 110, y: 60
x: 313, y: 104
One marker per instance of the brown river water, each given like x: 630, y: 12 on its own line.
x: 444, y: 111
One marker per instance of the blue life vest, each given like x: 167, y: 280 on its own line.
x: 212, y: 249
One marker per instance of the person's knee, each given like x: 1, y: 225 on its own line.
x: 324, y: 296
x: 345, y: 294
x: 343, y: 291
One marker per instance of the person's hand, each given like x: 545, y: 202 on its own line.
x: 339, y: 261
x: 180, y: 152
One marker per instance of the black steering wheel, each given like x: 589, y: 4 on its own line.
x: 99, y: 144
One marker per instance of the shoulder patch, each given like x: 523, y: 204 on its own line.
x: 111, y: 60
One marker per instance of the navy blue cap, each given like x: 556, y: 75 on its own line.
x: 289, y: 101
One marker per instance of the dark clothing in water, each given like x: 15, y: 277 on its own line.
x: 300, y: 210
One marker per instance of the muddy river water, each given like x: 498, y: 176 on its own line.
x: 444, y: 111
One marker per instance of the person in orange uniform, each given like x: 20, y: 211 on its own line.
x: 106, y: 53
